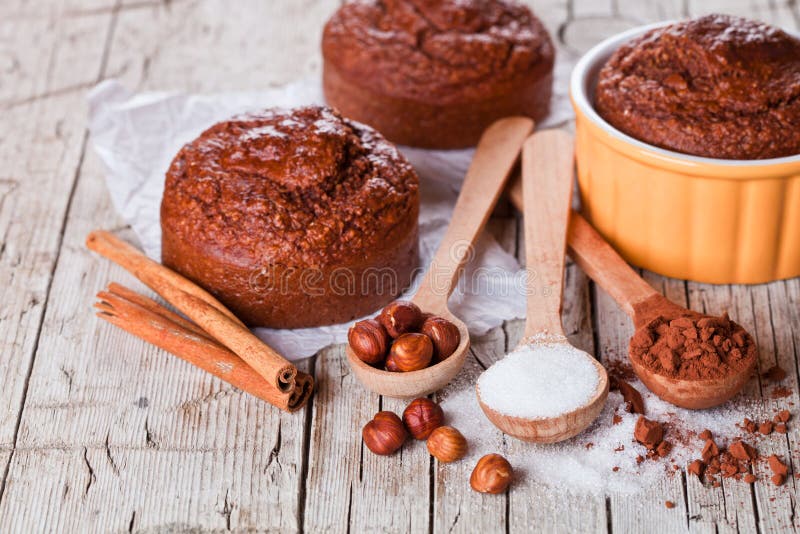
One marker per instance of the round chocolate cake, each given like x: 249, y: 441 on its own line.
x: 436, y: 73
x: 292, y: 218
x: 718, y: 86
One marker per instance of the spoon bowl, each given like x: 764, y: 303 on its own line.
x: 547, y: 182
x: 693, y: 394
x: 643, y: 304
x: 414, y: 383
x: 495, y: 158
x: 553, y: 429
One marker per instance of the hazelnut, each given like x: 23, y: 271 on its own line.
x: 411, y: 352
x: 447, y: 444
x: 444, y: 335
x: 400, y: 317
x: 385, y: 434
x: 391, y: 364
x: 369, y: 341
x: 422, y: 417
x: 492, y: 474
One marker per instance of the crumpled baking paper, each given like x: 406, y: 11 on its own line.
x: 137, y: 135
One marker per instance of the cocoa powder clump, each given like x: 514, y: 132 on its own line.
x: 633, y: 399
x: 693, y: 347
x: 648, y: 433
x: 742, y: 451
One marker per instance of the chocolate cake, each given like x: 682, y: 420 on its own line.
x: 436, y: 73
x: 718, y: 86
x: 292, y: 218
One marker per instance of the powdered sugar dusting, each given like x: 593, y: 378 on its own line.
x: 540, y: 380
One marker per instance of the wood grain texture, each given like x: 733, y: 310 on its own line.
x: 100, y: 432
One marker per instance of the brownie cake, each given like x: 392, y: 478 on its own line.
x: 436, y: 73
x: 717, y: 86
x: 292, y: 218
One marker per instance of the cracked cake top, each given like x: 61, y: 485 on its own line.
x: 717, y: 86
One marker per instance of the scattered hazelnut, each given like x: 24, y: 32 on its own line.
x: 447, y: 444
x: 369, y: 341
x: 444, y: 335
x: 411, y: 352
x: 492, y: 474
x: 400, y: 317
x: 422, y: 417
x: 385, y: 434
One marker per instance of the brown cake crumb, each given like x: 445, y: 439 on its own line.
x: 669, y: 504
x: 696, y: 468
x: 765, y: 428
x: 663, y: 449
x: 749, y: 425
x: 783, y: 416
x: 774, y: 374
x: 777, y: 466
x: 710, y: 450
x: 742, y: 451
x: 781, y: 392
x: 648, y: 433
x: 633, y: 399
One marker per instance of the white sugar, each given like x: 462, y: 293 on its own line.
x: 603, y: 458
x: 539, y: 380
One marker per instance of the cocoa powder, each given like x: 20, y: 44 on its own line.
x: 633, y: 399
x: 648, y: 433
x: 693, y: 347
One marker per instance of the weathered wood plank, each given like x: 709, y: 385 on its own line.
x: 536, y: 504
x: 115, y: 433
x: 613, y: 331
x: 41, y: 144
x: 97, y: 389
x: 217, y: 45
x: 393, y: 494
x: 100, y: 390
x: 457, y: 507
x: 341, y: 407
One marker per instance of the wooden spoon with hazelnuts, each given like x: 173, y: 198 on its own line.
x: 403, y: 353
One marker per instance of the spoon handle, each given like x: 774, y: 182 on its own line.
x: 547, y: 192
x: 606, y: 267
x: 494, y: 159
x: 597, y: 258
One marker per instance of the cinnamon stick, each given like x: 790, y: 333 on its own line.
x: 151, y: 305
x: 199, y: 306
x: 148, y: 320
x: 150, y: 272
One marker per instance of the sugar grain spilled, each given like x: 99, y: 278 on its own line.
x: 539, y: 380
x: 605, y: 457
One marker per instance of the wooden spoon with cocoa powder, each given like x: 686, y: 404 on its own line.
x: 688, y: 359
x: 492, y: 164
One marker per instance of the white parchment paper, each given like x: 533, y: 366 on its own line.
x: 137, y: 135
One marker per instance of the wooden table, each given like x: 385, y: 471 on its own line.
x: 101, y: 432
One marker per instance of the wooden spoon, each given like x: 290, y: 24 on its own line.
x: 547, y: 183
x: 643, y: 304
x: 495, y: 157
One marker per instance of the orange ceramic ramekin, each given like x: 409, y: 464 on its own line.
x: 703, y: 219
